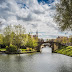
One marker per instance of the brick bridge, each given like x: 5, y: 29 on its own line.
x: 53, y: 45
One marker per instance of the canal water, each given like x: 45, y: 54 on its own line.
x: 38, y: 62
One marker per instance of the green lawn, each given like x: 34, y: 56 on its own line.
x: 66, y: 50
x: 3, y: 49
x: 22, y: 50
x: 25, y: 50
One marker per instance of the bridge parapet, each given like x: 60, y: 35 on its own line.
x: 53, y: 45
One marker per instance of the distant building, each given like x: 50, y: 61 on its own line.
x: 70, y: 36
x: 35, y: 36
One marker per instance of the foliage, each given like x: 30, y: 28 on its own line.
x: 70, y: 39
x: 35, y: 42
x: 63, y: 40
x: 3, y: 49
x: 7, y: 30
x: 31, y: 42
x: 66, y: 50
x: 64, y: 14
x: 11, y: 48
x: 28, y: 50
x: 6, y: 40
x: 17, y: 41
x: 19, y: 35
x: 1, y: 39
x: 13, y: 37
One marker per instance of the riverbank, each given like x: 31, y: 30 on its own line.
x: 21, y: 51
x: 66, y: 50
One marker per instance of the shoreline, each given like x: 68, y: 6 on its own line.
x: 63, y: 54
x: 65, y: 51
x: 3, y: 52
x: 32, y: 52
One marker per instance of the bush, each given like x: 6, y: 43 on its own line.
x: 11, y: 48
x: 29, y: 49
x: 66, y: 50
x: 2, y: 46
x: 23, y: 47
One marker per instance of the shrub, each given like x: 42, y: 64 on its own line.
x: 19, y: 51
x: 27, y: 49
x: 11, y: 48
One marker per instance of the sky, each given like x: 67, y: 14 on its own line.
x: 34, y: 15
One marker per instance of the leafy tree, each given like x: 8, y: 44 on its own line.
x: 11, y: 48
x: 35, y: 42
x: 64, y: 40
x: 7, y: 30
x: 31, y: 42
x: 70, y: 39
x: 13, y: 35
x: 1, y: 39
x: 19, y: 35
x: 25, y: 39
x: 6, y: 40
x: 19, y: 29
x: 64, y: 14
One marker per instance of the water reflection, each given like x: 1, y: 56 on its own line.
x: 39, y: 62
x: 46, y: 50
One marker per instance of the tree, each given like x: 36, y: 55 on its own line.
x: 11, y: 48
x: 31, y: 42
x: 7, y: 39
x: 19, y: 35
x: 1, y: 39
x: 64, y: 14
x: 64, y: 40
x: 13, y: 35
x: 70, y: 40
x: 19, y: 29
x: 35, y: 42
x: 7, y: 30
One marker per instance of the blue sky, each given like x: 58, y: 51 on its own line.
x: 46, y: 1
x: 33, y: 15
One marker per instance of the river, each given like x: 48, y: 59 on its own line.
x: 38, y: 62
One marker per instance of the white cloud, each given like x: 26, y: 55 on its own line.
x: 31, y: 14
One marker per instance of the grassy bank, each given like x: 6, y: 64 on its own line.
x: 66, y: 50
x: 3, y: 49
x: 28, y: 50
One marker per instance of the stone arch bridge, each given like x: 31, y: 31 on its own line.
x: 53, y: 45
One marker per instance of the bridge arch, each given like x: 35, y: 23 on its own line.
x: 53, y: 45
x: 44, y: 45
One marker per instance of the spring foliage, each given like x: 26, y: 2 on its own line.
x: 15, y: 35
x: 64, y: 14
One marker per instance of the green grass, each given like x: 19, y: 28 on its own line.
x: 25, y: 50
x: 66, y: 50
x: 22, y: 50
x: 3, y: 49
